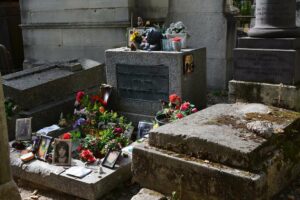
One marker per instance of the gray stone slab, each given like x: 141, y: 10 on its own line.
x: 191, y: 87
x: 146, y: 194
x: 222, y: 133
x: 267, y: 65
x: 284, y: 96
x: 54, y: 177
x: 34, y: 87
x: 196, y: 179
x: 269, y: 43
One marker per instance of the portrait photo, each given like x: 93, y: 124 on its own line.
x: 111, y: 159
x: 43, y: 147
x: 62, y: 152
x: 23, y: 129
x: 143, y: 129
x: 188, y: 61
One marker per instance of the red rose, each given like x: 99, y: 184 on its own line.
x: 118, y: 130
x: 174, y: 99
x: 67, y: 136
x: 194, y: 110
x: 185, y: 106
x: 91, y: 159
x: 179, y: 115
x: 79, y: 95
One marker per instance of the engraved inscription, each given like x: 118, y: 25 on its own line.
x: 149, y: 83
x: 275, y: 13
x: 264, y: 67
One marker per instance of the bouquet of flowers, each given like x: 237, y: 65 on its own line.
x: 174, y: 109
x: 101, y: 129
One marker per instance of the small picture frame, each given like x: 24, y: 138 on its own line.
x: 188, y: 64
x: 23, y: 129
x: 143, y: 129
x: 43, y: 147
x: 62, y: 152
x: 111, y: 159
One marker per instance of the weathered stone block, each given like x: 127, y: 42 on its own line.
x: 146, y: 194
x: 142, y: 78
x: 54, y: 177
x: 284, y: 96
x: 196, y: 179
x: 223, y: 134
x: 51, y: 83
x: 269, y: 43
x: 267, y: 65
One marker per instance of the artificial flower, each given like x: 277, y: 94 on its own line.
x: 67, y: 136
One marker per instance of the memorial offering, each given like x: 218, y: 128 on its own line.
x: 173, y: 110
x: 23, y: 129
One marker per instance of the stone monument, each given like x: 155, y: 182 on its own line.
x: 142, y: 78
x: 227, y: 151
x: 268, y: 63
x: 8, y: 188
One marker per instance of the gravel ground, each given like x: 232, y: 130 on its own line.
x: 127, y: 190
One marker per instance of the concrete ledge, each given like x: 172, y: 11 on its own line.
x: 284, y: 96
x: 89, y: 187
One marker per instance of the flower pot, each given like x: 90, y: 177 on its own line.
x: 162, y: 119
x: 176, y: 45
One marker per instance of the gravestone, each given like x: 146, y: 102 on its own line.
x: 45, y: 91
x: 227, y: 151
x: 8, y: 188
x: 269, y: 56
x: 142, y: 78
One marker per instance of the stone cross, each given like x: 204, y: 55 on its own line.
x: 275, y: 19
x: 8, y: 188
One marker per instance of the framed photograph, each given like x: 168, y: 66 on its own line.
x: 43, y: 147
x: 188, y: 61
x: 62, y: 152
x: 143, y: 129
x: 23, y: 129
x: 111, y: 159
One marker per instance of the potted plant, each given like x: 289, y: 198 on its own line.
x: 173, y: 110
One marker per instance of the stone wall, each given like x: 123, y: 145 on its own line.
x: 208, y: 27
x: 67, y: 29
x: 152, y: 9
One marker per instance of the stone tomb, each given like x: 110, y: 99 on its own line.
x: 142, y: 78
x: 227, y: 151
x: 45, y: 91
x: 91, y: 187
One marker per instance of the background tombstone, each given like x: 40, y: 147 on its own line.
x: 269, y: 58
x: 8, y: 188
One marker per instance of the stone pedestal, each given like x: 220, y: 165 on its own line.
x: 218, y: 153
x: 275, y: 18
x: 8, y: 189
x: 268, y: 60
x: 141, y: 79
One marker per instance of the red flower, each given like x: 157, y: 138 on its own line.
x: 179, y: 115
x: 194, y: 110
x: 79, y: 95
x: 176, y: 39
x: 185, y: 106
x: 118, y: 130
x: 67, y: 136
x: 174, y: 99
x: 99, y: 99
x: 87, y: 155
